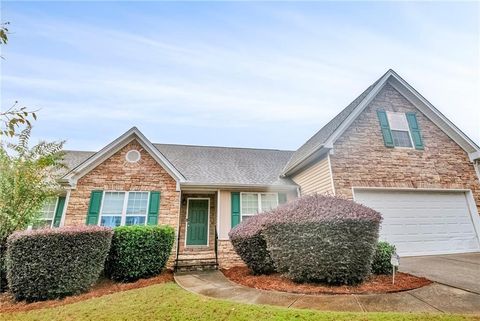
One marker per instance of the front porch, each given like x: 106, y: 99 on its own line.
x: 197, y: 237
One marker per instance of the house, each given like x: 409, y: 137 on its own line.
x: 390, y: 149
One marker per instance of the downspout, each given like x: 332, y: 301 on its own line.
x: 476, y: 166
x: 64, y: 213
x: 217, y: 226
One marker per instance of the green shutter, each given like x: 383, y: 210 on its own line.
x: 59, y: 211
x: 153, y: 207
x: 94, y: 207
x: 385, y: 127
x: 282, y: 198
x: 415, y: 130
x: 235, y: 208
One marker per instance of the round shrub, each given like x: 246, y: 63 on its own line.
x: 53, y: 263
x: 3, y: 270
x: 381, y: 260
x: 250, y: 245
x: 139, y: 252
x: 320, y: 238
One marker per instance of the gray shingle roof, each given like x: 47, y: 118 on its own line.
x: 320, y: 137
x: 227, y: 165
x: 73, y: 158
x: 216, y: 165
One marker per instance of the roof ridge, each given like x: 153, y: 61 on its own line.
x: 296, y: 158
x: 78, y: 150
x: 229, y: 147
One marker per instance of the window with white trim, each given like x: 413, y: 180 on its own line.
x: 47, y: 214
x: 124, y: 208
x: 254, y: 203
x: 399, y: 129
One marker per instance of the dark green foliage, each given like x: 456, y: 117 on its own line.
x: 3, y: 270
x: 139, y: 251
x: 54, y: 263
x: 250, y: 245
x: 381, y: 261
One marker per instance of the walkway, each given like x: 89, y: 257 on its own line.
x: 433, y: 298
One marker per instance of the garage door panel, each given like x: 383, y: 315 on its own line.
x: 421, y: 223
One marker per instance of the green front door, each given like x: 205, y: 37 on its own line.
x: 197, y: 222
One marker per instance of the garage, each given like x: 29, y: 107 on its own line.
x: 425, y: 222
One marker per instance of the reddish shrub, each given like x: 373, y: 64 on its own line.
x: 250, y: 245
x: 53, y: 263
x: 320, y: 238
x: 315, y: 238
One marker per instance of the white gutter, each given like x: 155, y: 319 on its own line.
x: 215, y: 187
x: 474, y: 156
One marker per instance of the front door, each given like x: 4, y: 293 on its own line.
x: 197, y: 222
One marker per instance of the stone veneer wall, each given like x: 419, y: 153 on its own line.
x: 227, y: 257
x: 116, y: 174
x: 361, y: 159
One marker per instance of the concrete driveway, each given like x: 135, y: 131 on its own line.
x: 461, y: 271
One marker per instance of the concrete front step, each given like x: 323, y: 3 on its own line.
x: 196, y: 261
x: 196, y: 256
x: 196, y: 267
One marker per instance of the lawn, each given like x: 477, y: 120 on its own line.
x: 169, y: 302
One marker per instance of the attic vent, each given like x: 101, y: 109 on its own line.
x: 132, y: 156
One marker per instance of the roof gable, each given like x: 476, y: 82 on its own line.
x: 132, y: 134
x: 324, y: 139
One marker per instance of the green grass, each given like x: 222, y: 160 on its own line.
x: 170, y: 302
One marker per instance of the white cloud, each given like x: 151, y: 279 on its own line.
x: 291, y: 69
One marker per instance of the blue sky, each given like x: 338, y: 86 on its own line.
x: 248, y: 74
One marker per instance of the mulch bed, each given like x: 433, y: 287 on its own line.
x: 375, y: 284
x: 103, y: 287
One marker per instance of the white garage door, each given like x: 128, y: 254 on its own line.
x: 423, y: 223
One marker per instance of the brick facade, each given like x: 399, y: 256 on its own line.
x: 360, y: 158
x: 117, y: 174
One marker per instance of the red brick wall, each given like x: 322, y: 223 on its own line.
x: 361, y: 159
x: 117, y: 174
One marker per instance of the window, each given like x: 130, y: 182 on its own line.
x: 47, y: 213
x: 136, y: 208
x: 401, y: 138
x: 399, y: 129
x: 124, y: 208
x: 254, y: 203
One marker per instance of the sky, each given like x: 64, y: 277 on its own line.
x: 246, y: 74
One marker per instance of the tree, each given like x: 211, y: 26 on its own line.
x: 15, y: 116
x: 28, y: 176
x: 4, y: 33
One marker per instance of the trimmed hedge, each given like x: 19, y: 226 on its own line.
x: 3, y: 269
x: 250, y: 245
x: 381, y: 260
x: 315, y: 238
x: 53, y: 263
x: 139, y: 252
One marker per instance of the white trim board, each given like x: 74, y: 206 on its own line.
x: 392, y: 78
x: 106, y: 152
x: 406, y: 90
